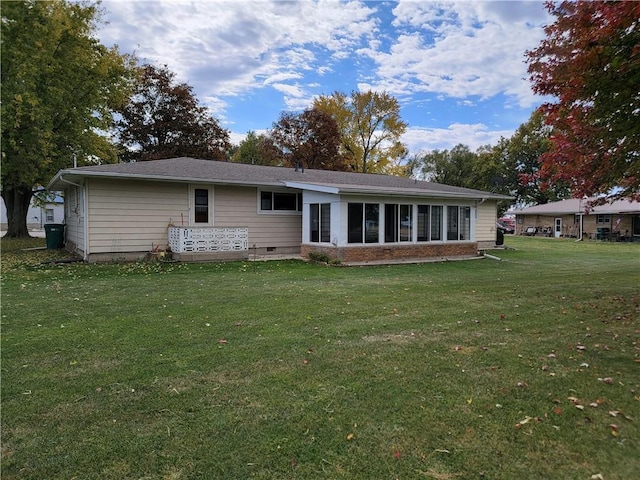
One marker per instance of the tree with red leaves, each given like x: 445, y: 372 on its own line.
x: 164, y: 119
x: 590, y: 63
x: 310, y: 139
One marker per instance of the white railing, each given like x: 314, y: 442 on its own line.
x: 208, y: 239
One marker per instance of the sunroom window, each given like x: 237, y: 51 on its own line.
x: 320, y: 222
x: 363, y: 222
x: 398, y: 223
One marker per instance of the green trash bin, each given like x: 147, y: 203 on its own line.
x: 54, y: 232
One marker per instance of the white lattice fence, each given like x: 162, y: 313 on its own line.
x: 208, y: 239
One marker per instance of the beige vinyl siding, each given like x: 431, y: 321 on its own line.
x: 487, y: 214
x: 132, y: 216
x: 238, y: 207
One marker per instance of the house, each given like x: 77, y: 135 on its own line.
x: 52, y: 211
x: 209, y: 210
x: 619, y: 220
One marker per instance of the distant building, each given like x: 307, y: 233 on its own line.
x: 619, y: 220
x: 38, y: 216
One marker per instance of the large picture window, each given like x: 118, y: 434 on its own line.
x: 363, y: 222
x: 320, y: 218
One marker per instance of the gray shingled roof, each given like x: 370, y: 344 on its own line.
x: 192, y: 170
x: 580, y: 205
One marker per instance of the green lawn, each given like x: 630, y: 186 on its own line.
x: 525, y: 368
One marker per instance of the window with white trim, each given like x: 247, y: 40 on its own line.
x: 436, y: 222
x: 49, y: 215
x: 200, y: 205
x: 363, y: 222
x: 458, y: 223
x: 274, y: 201
x: 429, y: 223
x: 320, y: 222
x: 398, y: 223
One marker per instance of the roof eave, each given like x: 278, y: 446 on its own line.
x: 159, y: 178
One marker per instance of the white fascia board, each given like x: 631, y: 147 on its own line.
x: 314, y: 187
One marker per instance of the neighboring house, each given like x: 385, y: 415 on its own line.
x: 619, y: 220
x: 207, y: 210
x: 38, y: 216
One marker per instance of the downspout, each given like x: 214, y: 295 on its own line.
x: 580, y: 212
x: 85, y: 229
x: 581, y: 227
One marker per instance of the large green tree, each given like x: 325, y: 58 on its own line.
x: 59, y: 89
x: 257, y: 149
x: 164, y: 119
x: 456, y: 167
x: 589, y: 63
x: 520, y: 155
x: 370, y: 129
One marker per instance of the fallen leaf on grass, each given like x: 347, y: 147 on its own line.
x: 222, y: 341
x: 597, y: 476
x: 524, y: 421
x: 350, y: 437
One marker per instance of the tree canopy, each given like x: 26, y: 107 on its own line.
x: 163, y: 119
x: 520, y: 155
x: 60, y: 87
x: 257, y: 150
x: 590, y: 62
x: 370, y: 129
x: 310, y: 139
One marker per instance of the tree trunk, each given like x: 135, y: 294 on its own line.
x: 17, y: 200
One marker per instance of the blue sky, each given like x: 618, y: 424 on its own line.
x: 457, y: 68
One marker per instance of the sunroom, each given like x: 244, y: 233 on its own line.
x: 356, y: 227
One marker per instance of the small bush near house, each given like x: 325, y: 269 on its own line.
x: 322, y: 258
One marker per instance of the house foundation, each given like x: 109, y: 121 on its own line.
x: 391, y: 253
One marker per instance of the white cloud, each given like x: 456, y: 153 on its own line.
x: 461, y: 49
x: 230, y: 48
x: 471, y: 135
x: 227, y: 50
